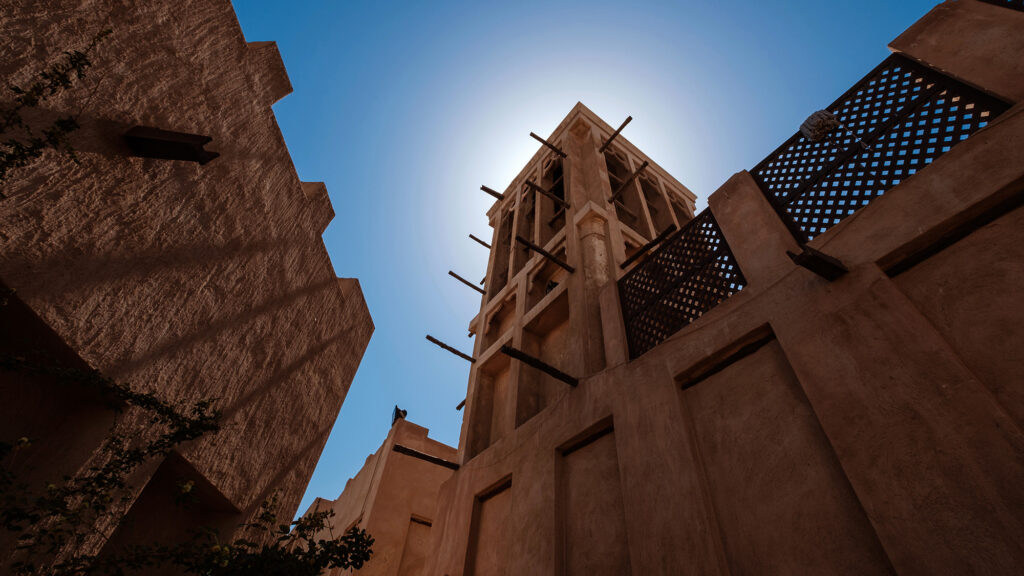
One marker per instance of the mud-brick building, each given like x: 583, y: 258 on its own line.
x: 394, y: 498
x: 179, y: 274
x: 820, y: 373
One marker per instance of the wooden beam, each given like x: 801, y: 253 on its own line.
x: 450, y: 349
x: 622, y: 187
x: 497, y: 195
x: 828, y: 267
x: 464, y: 281
x: 548, y: 144
x: 555, y: 217
x: 424, y: 456
x: 539, y: 365
x: 481, y: 242
x: 643, y: 249
x: 557, y: 200
x: 544, y: 253
x: 614, y: 135
x: 622, y: 207
x: 461, y: 404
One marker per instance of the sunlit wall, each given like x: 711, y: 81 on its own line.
x: 405, y: 109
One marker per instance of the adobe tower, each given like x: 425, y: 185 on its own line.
x: 819, y: 373
x: 564, y: 228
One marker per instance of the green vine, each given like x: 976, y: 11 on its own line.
x: 22, y: 149
x: 51, y: 525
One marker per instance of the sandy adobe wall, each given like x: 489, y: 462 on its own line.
x: 394, y: 498
x: 869, y: 424
x: 192, y: 281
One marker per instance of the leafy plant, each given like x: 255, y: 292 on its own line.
x: 50, y: 525
x: 21, y: 149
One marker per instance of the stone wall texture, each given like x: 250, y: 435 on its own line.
x: 189, y: 281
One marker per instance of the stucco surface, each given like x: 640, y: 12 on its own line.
x: 869, y: 424
x: 189, y: 281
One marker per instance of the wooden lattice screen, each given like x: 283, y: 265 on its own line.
x: 896, y: 121
x: 690, y: 273
x: 1012, y: 4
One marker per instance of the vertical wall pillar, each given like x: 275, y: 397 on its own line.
x: 589, y: 237
x: 756, y: 235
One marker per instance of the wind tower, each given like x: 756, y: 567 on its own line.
x: 569, y: 224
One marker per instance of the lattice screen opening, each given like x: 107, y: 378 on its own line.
x: 552, y: 216
x: 905, y: 114
x: 545, y: 280
x: 683, y: 215
x: 627, y: 209
x: 525, y: 228
x: 502, y: 252
x: 545, y: 337
x: 631, y: 249
x: 690, y: 273
x: 657, y: 207
x: 1011, y: 4
x: 498, y: 322
x: 491, y: 394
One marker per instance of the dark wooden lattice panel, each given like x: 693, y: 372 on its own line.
x: 946, y: 118
x: 692, y: 272
x: 885, y: 91
x: 906, y: 115
x: 1012, y: 4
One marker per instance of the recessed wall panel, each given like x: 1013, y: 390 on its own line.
x: 782, y: 502
x: 593, y: 521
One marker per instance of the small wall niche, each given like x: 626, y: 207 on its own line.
x: 502, y: 247
x: 682, y: 214
x: 544, y: 337
x: 552, y: 214
x: 499, y: 321
x: 546, y: 279
x: 631, y: 249
x: 628, y: 209
x: 657, y: 207
x: 489, y: 421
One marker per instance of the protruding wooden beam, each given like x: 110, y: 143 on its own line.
x: 643, y: 249
x: 480, y: 242
x: 828, y: 267
x: 461, y: 404
x: 558, y: 214
x: 464, y: 281
x: 149, y: 142
x: 557, y: 200
x: 450, y: 349
x: 424, y: 456
x: 497, y: 195
x: 622, y: 187
x: 548, y: 144
x: 544, y: 253
x: 614, y: 135
x: 623, y: 207
x: 539, y: 365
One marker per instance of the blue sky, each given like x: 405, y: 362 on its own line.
x: 405, y: 109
